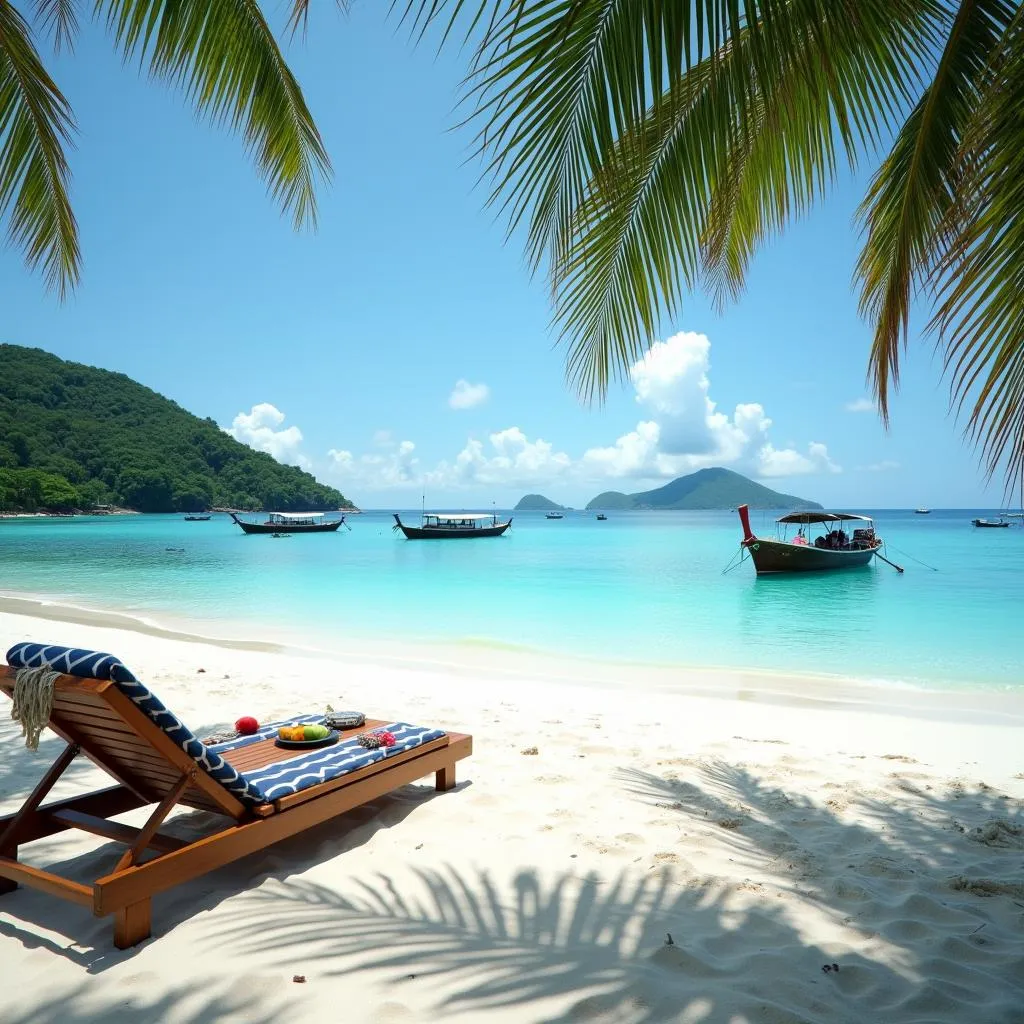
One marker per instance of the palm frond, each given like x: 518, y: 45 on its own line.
x: 839, y: 79
x: 35, y: 126
x: 912, y: 192
x: 226, y: 59
x: 298, y: 16
x: 746, y: 140
x: 60, y: 19
x: 980, y: 317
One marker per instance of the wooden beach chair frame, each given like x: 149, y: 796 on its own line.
x: 95, y: 718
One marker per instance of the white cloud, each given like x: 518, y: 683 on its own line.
x: 395, y: 465
x: 467, y: 396
x: 257, y: 429
x: 682, y: 430
x: 686, y: 432
x: 512, y: 459
x: 860, y: 405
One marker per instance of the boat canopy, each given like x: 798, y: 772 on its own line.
x: 297, y: 515
x: 823, y: 517
x: 462, y: 516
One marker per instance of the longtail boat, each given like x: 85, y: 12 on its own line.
x: 290, y: 522
x: 449, y: 525
x: 197, y: 519
x: 991, y: 524
x: 832, y: 549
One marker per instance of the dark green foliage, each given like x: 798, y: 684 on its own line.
x: 32, y: 490
x: 72, y: 436
x: 706, y: 489
x: 537, y: 503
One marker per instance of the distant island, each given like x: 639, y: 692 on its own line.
x: 76, y: 438
x: 706, y: 489
x: 537, y: 503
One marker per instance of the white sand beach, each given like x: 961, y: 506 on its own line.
x: 697, y: 849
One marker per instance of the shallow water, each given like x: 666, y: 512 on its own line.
x: 640, y: 587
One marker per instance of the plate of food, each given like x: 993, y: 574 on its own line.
x: 302, y: 737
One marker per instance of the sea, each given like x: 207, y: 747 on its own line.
x: 642, y: 588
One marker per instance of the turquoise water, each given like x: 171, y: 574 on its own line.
x: 641, y: 587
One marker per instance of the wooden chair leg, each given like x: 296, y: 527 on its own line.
x: 444, y: 778
x: 132, y: 924
x: 6, y: 884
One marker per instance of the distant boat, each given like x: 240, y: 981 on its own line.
x: 290, y: 522
x: 196, y: 519
x: 601, y: 516
x: 832, y: 550
x: 554, y: 515
x: 922, y: 511
x: 990, y: 524
x: 451, y: 525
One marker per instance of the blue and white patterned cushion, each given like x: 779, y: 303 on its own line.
x: 307, y: 768
x: 265, y: 732
x: 313, y: 767
x: 96, y: 665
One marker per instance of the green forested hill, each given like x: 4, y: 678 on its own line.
x: 537, y: 503
x: 72, y: 436
x: 706, y: 489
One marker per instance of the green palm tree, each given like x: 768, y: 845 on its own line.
x: 649, y: 147
x: 220, y: 52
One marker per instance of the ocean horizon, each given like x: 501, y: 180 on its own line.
x: 640, y: 588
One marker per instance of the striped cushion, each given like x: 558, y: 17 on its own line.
x: 265, y: 732
x: 313, y: 767
x: 96, y: 665
x: 307, y: 768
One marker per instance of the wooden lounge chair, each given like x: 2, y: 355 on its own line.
x: 267, y: 792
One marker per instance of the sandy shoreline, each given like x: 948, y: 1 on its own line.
x: 770, y: 827
x: 497, y: 661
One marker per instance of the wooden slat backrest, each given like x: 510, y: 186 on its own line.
x: 124, y: 742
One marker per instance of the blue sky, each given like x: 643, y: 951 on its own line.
x: 359, y: 334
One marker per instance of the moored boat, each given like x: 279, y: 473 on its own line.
x: 990, y: 524
x: 290, y: 522
x: 922, y: 511
x: 832, y: 549
x: 196, y: 519
x: 554, y: 515
x: 451, y: 525
x: 601, y: 517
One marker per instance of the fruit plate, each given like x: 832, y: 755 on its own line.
x: 331, y: 737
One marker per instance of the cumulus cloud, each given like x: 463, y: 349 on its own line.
x: 258, y: 428
x: 682, y: 430
x: 466, y: 396
x: 860, y: 405
x: 511, y: 458
x: 686, y: 430
x: 394, y: 465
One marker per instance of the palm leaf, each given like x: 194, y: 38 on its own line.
x: 35, y: 126
x: 60, y: 18
x: 226, y: 58
x: 842, y: 75
x: 298, y: 17
x: 912, y: 193
x: 980, y: 317
x: 745, y: 141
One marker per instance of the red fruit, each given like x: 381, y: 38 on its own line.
x: 387, y: 739
x: 247, y: 725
